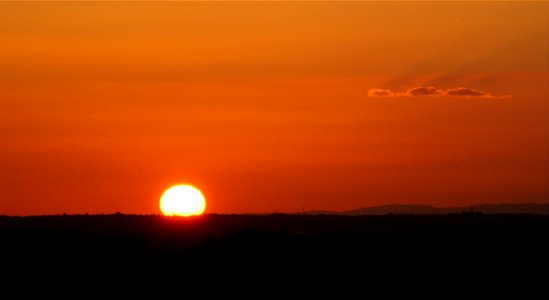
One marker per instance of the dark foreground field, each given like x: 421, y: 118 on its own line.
x: 463, y: 247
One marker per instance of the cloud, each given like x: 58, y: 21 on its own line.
x: 465, y: 92
x: 380, y: 93
x: 461, y: 92
x: 424, y: 91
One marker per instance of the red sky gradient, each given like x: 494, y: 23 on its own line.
x: 267, y: 105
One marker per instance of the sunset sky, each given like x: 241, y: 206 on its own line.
x: 272, y: 105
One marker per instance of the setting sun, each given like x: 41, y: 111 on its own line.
x: 182, y: 200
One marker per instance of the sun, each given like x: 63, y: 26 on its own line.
x: 182, y: 200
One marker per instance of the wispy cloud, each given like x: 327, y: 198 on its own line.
x: 432, y: 91
x: 380, y: 93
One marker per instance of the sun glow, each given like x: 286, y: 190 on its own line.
x: 182, y: 200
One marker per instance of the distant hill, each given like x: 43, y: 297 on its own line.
x: 527, y: 208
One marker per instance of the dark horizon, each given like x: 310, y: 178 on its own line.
x: 162, y: 242
x: 501, y: 208
x: 394, y: 250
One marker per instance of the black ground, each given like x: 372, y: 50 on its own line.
x: 470, y: 247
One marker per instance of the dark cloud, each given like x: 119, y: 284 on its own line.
x: 465, y: 92
x: 424, y: 91
x: 432, y: 91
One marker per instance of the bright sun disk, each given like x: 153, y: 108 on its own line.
x: 182, y: 200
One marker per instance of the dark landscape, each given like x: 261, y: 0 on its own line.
x: 478, y: 244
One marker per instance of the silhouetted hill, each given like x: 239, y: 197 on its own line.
x: 528, y: 208
x: 402, y: 209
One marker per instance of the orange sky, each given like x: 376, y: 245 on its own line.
x: 266, y: 105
